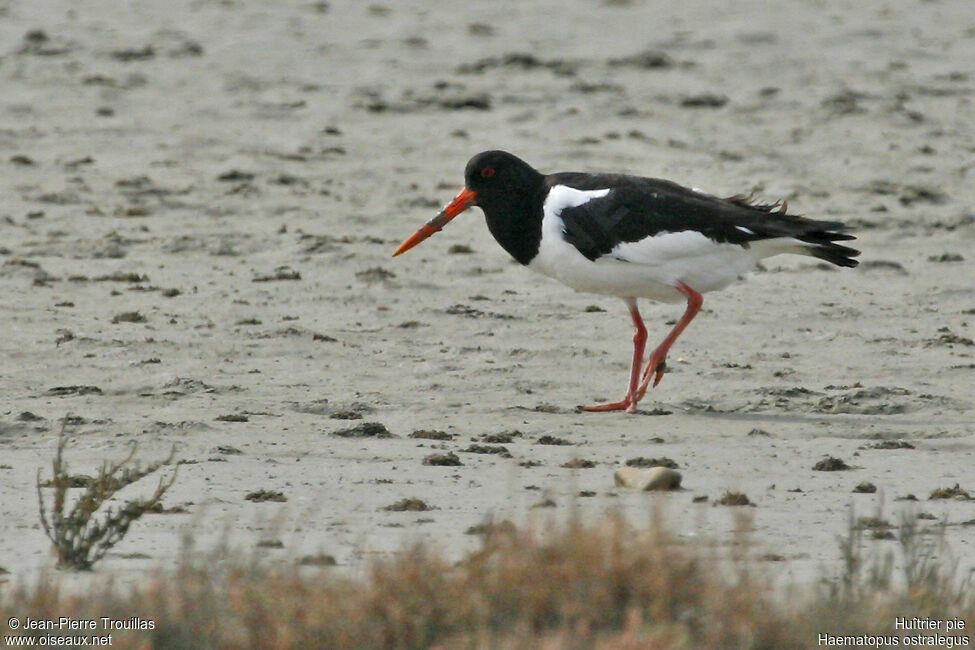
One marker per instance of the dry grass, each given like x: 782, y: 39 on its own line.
x: 588, y: 586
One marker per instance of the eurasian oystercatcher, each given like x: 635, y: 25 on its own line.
x: 632, y: 237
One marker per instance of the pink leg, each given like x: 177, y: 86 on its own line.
x: 639, y: 345
x: 658, y: 358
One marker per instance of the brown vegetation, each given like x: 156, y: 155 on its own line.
x: 587, y: 586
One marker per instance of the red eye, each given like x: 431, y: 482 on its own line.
x: 487, y: 172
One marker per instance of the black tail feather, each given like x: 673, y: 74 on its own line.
x: 833, y: 253
x: 825, y: 236
x: 820, y: 235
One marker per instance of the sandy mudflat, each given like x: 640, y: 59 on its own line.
x: 198, y: 201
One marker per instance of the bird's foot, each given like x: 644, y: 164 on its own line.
x: 652, y: 375
x: 627, y: 404
x: 654, y: 371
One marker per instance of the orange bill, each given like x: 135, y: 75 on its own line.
x: 464, y: 199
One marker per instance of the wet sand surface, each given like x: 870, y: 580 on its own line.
x: 200, y: 200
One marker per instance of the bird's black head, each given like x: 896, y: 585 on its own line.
x: 509, y: 191
x: 494, y: 174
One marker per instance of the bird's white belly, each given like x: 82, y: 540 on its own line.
x: 650, y: 268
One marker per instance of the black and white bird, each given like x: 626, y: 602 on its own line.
x: 632, y: 237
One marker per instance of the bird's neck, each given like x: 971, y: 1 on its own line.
x: 515, y: 221
x: 517, y: 226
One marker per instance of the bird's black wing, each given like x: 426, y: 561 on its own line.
x: 636, y: 208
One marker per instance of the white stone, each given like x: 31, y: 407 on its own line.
x: 648, y: 479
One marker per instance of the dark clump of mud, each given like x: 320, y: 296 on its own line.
x: 488, y: 449
x: 447, y: 460
x: 132, y: 278
x: 730, y: 498
x: 227, y: 450
x: 642, y: 461
x: 262, y: 495
x: 346, y: 415
x: 956, y: 492
x: 892, y: 444
x: 504, y: 527
x: 552, y: 440
x: 232, y: 417
x: 365, y: 430
x: 429, y: 434
x: 503, y: 438
x: 409, y: 504
x: 579, y: 463
x: 704, y: 100
x: 280, y: 273
x: 831, y: 464
x: 375, y: 274
x: 518, y: 61
x: 270, y: 543
x: 319, y: 559
x: 646, y: 60
x: 949, y: 338
x: 62, y: 391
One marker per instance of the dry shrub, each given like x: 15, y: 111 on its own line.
x: 80, y: 535
x: 583, y: 586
